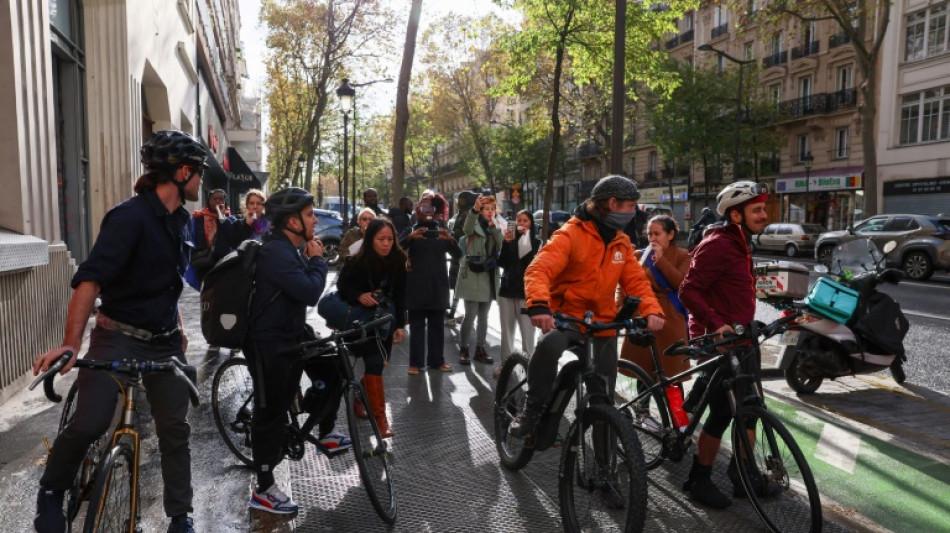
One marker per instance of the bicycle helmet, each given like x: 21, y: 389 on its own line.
x: 735, y: 195
x: 286, y: 202
x: 170, y: 148
x: 615, y: 186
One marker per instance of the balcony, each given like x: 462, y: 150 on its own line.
x: 687, y: 36
x: 838, y: 39
x: 820, y: 103
x: 673, y: 43
x: 769, y: 166
x: 805, y: 50
x: 649, y: 176
x: 775, y: 59
x: 843, y: 99
x: 719, y: 31
x: 590, y: 149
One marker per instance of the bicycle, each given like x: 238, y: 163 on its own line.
x: 772, y: 469
x: 602, y: 478
x: 109, y: 476
x: 232, y: 404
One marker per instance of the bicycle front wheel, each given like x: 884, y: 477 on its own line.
x: 509, y: 397
x: 649, y: 414
x: 111, y: 508
x: 232, y: 402
x: 373, y: 457
x: 602, y: 479
x: 774, y: 473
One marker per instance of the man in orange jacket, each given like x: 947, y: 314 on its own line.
x: 579, y: 270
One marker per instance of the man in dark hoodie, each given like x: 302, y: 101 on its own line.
x: 719, y: 291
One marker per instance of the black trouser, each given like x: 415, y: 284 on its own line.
x: 96, y: 405
x: 374, y: 352
x: 542, y: 368
x: 720, y: 408
x: 276, y: 380
x: 426, y: 327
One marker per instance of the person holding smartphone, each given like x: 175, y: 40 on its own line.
x: 520, y: 246
x: 427, y: 285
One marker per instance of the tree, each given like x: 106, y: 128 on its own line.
x: 402, y: 100
x: 865, y: 23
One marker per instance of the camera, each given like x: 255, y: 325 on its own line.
x: 432, y: 234
x: 486, y: 192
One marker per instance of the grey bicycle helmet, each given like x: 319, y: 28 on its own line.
x: 169, y: 149
x: 285, y: 202
x: 615, y: 186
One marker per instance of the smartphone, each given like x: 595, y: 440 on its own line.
x: 432, y: 234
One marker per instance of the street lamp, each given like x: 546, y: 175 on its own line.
x: 709, y: 48
x: 807, y: 160
x: 346, y: 93
x: 355, y: 85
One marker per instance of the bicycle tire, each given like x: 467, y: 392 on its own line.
x: 232, y: 403
x: 509, y: 399
x: 778, y: 481
x: 110, y: 507
x: 650, y: 416
x: 86, y: 476
x: 595, y: 497
x: 373, y: 458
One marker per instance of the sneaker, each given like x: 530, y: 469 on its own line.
x: 50, y: 517
x: 181, y: 524
x: 524, y: 424
x: 273, y: 500
x: 334, y: 442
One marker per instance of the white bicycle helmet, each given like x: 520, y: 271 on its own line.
x: 738, y: 193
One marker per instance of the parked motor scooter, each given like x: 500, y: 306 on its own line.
x: 849, y: 327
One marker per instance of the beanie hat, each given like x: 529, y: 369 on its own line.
x: 615, y: 186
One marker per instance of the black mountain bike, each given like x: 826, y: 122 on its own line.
x: 232, y: 402
x: 773, y: 471
x: 602, y: 479
x: 109, y: 475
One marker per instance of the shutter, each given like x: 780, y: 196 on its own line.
x: 918, y: 204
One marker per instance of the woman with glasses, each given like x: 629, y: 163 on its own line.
x: 354, y: 236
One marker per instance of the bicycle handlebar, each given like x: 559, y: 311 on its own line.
x: 562, y: 322
x: 362, y: 330
x: 698, y: 347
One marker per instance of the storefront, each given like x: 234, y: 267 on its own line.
x: 659, y: 197
x: 833, y: 198
x: 927, y: 196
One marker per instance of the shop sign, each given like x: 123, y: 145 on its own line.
x: 650, y: 196
x: 680, y: 193
x: 921, y: 186
x: 818, y: 183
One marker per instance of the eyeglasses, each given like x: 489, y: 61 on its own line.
x: 426, y: 209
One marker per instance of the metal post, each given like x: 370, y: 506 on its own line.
x: 616, y: 125
x: 736, y: 175
x: 346, y: 136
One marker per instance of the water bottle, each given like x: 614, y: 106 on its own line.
x: 675, y: 398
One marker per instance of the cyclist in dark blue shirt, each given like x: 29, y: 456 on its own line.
x: 136, y: 268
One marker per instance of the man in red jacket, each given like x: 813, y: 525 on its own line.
x: 719, y: 291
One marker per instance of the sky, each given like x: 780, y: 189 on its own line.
x: 384, y: 94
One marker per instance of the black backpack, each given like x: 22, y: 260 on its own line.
x: 226, y: 293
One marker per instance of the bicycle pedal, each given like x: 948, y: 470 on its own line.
x: 331, y: 453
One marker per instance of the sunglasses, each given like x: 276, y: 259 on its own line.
x: 426, y: 209
x: 760, y: 188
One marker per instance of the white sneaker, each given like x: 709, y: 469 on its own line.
x: 335, y: 442
x: 273, y: 500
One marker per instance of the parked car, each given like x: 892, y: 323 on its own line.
x: 556, y: 219
x: 330, y: 231
x: 789, y: 238
x: 923, y: 242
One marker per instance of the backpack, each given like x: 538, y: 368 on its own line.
x: 226, y: 294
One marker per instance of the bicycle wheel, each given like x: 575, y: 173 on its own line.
x: 232, y: 402
x: 602, y: 479
x: 111, y: 506
x: 509, y: 398
x: 775, y: 475
x: 649, y: 415
x: 82, y: 484
x: 373, y: 457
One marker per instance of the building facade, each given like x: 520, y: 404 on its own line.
x: 86, y: 82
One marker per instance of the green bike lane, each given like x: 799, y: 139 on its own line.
x: 868, y: 479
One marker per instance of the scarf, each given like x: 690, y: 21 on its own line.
x: 211, y: 222
x: 665, y: 284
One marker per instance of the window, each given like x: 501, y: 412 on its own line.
x: 784, y: 230
x: 719, y: 15
x: 688, y: 21
x: 843, y: 78
x: 748, y: 51
x: 901, y: 224
x: 803, y: 147
x: 925, y: 116
x: 804, y: 87
x: 925, y: 33
x: 871, y: 225
x: 777, y: 43
x: 808, y: 32
x: 653, y: 160
x: 775, y: 93
x: 720, y: 62
x: 841, y: 143
x: 770, y: 230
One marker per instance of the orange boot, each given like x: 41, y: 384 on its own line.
x: 376, y: 396
x: 358, y: 405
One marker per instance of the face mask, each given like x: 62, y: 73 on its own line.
x: 618, y: 219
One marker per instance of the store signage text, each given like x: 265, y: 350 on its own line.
x: 818, y: 183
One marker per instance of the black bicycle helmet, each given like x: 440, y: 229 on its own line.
x: 169, y: 149
x: 289, y: 201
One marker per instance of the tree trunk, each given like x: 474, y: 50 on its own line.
x: 402, y: 101
x: 555, y: 137
x: 868, y: 142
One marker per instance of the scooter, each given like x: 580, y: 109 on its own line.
x: 822, y: 344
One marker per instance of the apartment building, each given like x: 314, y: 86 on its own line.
x: 85, y: 82
x: 913, y: 138
x: 808, y: 70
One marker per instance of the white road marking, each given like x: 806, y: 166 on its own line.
x: 927, y: 286
x: 925, y: 315
x: 838, y: 447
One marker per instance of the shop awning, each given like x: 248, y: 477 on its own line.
x: 239, y: 174
x: 215, y: 177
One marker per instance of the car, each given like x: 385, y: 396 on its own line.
x: 556, y: 219
x: 923, y: 242
x: 330, y: 231
x: 792, y: 239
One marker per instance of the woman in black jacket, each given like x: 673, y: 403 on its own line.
x: 520, y: 246
x: 374, y: 276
